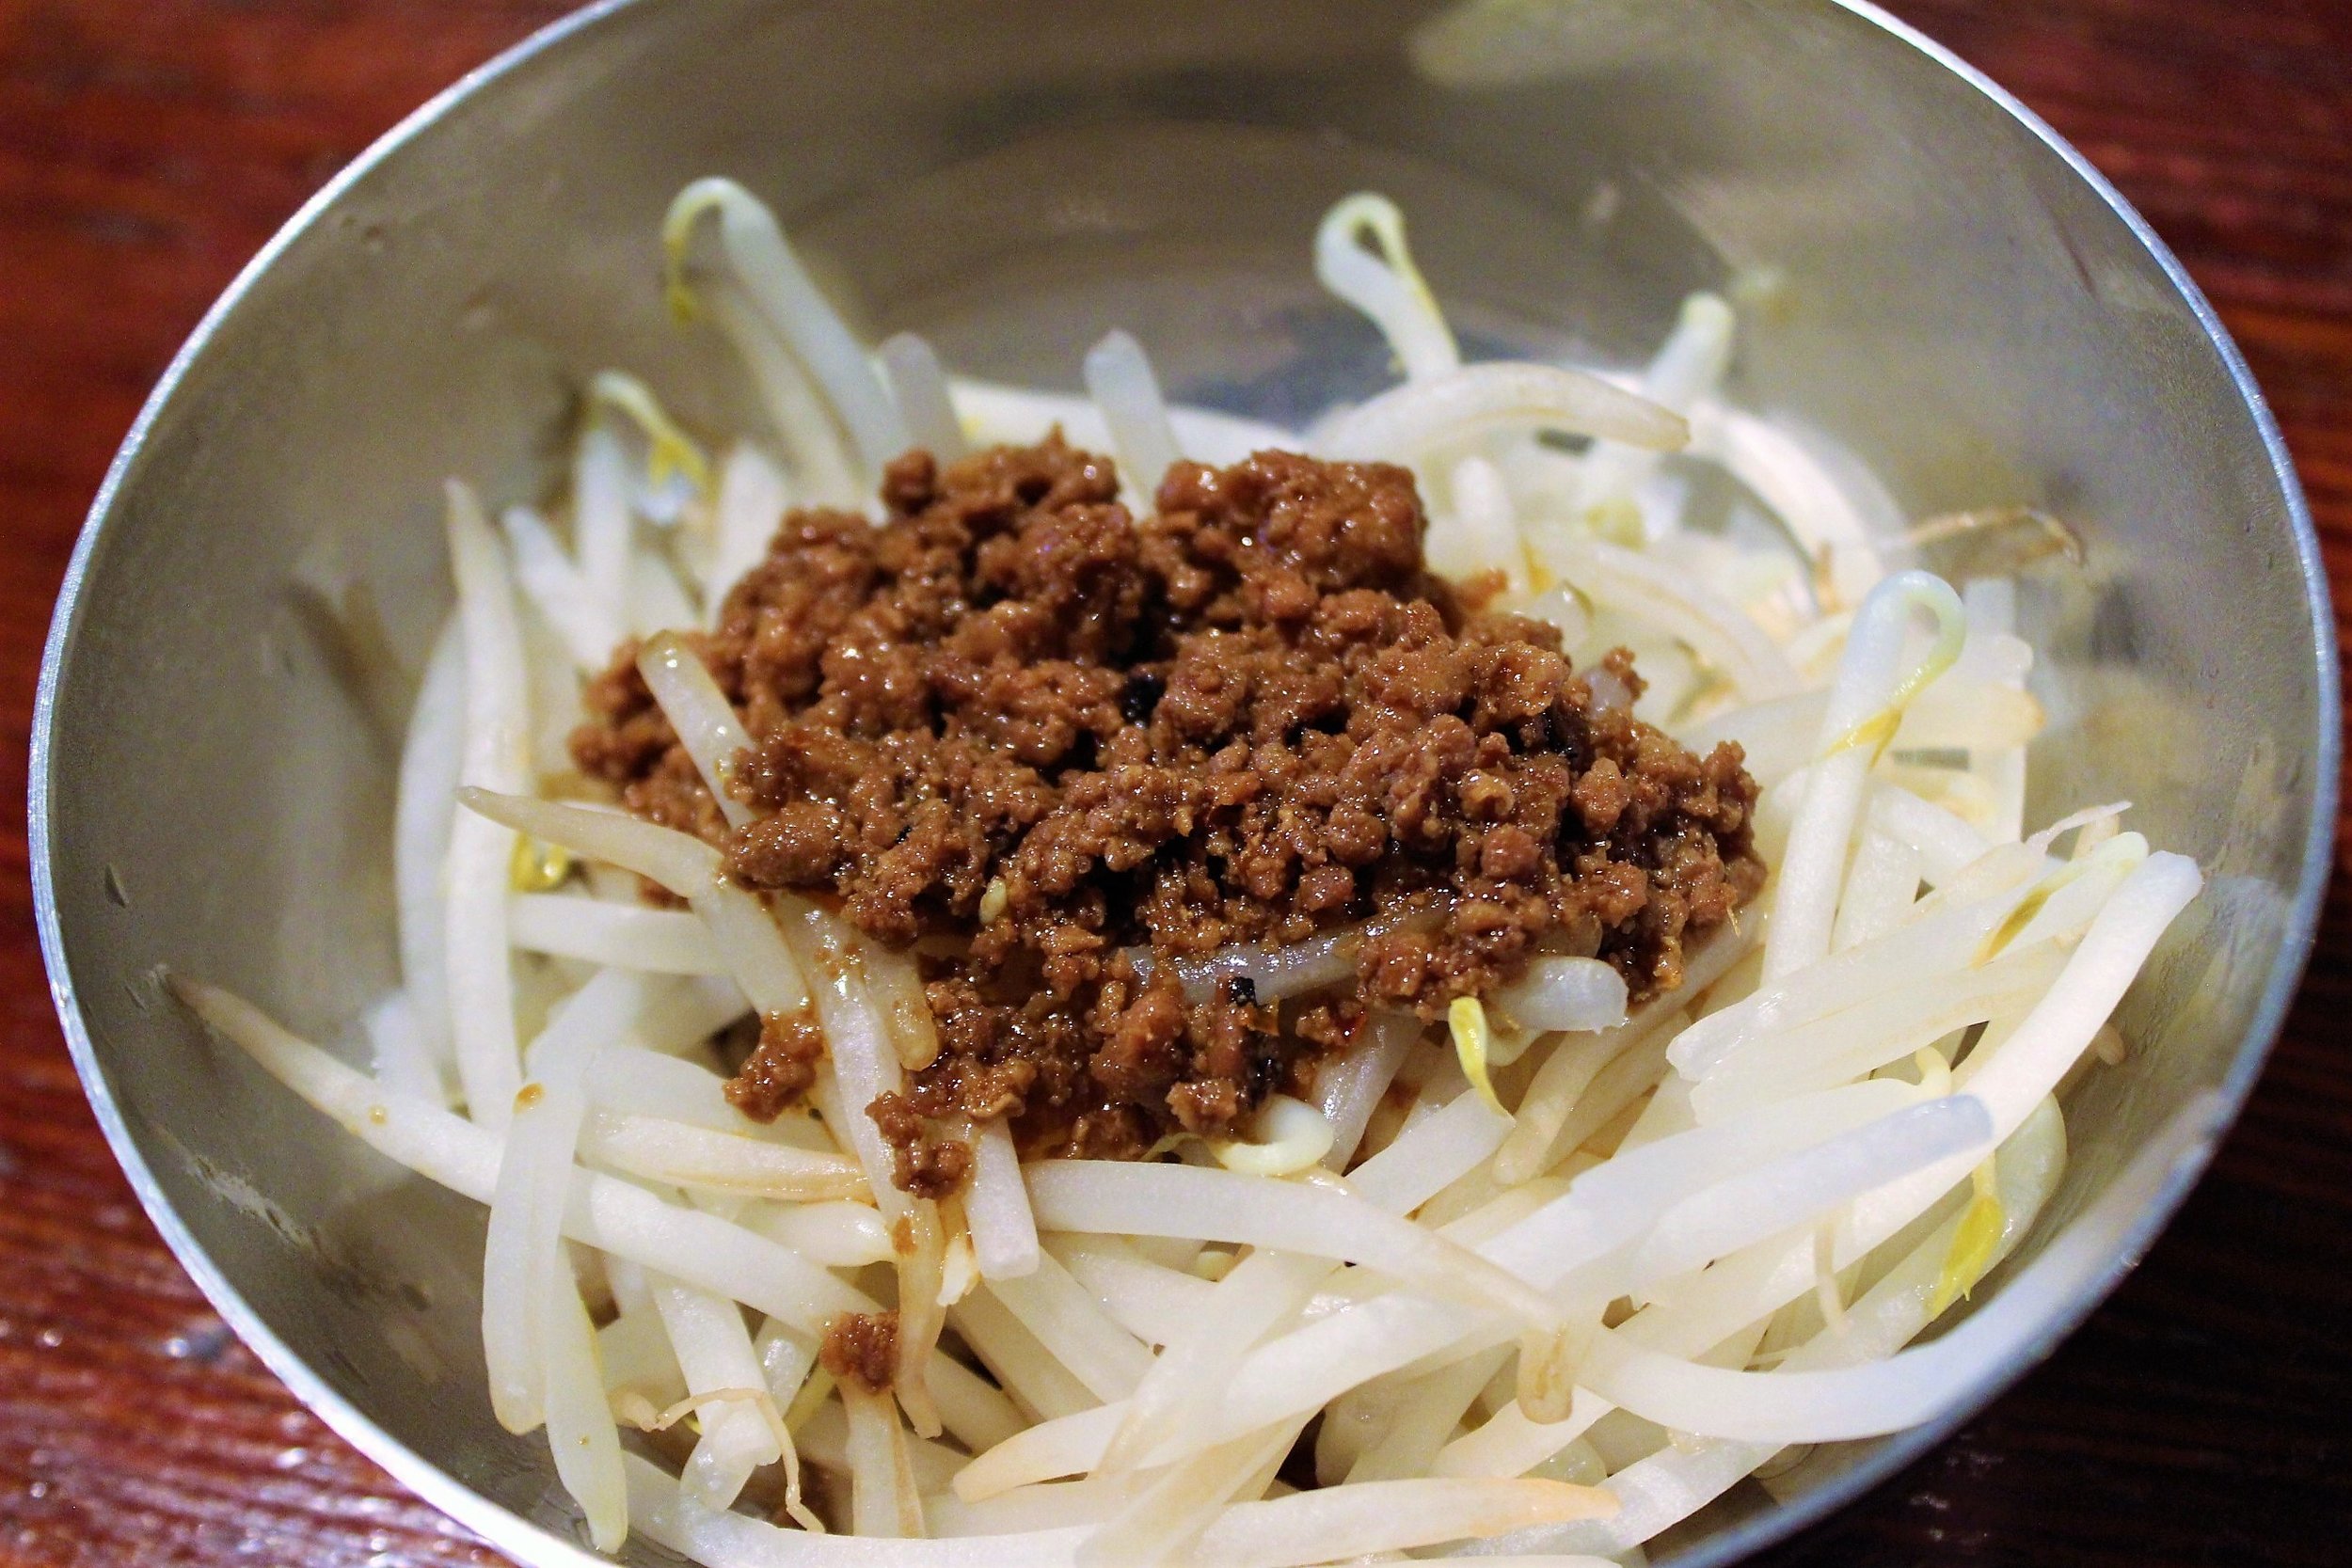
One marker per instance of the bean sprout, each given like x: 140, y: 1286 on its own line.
x: 779, y: 289
x: 920, y: 387
x: 1119, y: 380
x: 1387, y: 287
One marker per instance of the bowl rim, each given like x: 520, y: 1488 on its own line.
x: 530, y: 1542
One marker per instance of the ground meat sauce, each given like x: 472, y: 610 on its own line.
x: 1014, y: 714
x: 861, y: 1348
x: 923, y: 1165
x: 780, y: 1068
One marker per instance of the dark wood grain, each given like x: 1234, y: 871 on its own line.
x: 147, y: 147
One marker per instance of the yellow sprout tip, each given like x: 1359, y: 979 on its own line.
x: 670, y: 450
x: 1972, y: 1244
x: 2022, y: 915
x: 1467, y: 1021
x: 538, y: 866
x: 1617, y: 520
x: 677, y: 237
x: 1370, y: 213
x: 1878, y: 731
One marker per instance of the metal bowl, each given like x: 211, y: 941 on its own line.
x: 1933, y: 284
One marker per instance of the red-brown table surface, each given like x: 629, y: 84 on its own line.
x: 148, y: 147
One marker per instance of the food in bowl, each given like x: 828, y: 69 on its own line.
x: 1168, y: 990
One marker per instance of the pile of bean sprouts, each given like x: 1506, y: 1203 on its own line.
x: 1540, y: 1280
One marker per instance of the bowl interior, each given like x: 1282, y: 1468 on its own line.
x: 1925, y: 285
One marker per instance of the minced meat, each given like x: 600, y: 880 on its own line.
x: 779, y: 1069
x: 861, y: 1348
x: 1014, y: 714
x: 922, y: 1164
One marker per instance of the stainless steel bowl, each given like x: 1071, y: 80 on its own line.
x: 1932, y: 280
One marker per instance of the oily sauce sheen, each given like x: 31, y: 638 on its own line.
x: 1249, y: 719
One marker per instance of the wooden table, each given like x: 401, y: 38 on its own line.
x: 147, y: 147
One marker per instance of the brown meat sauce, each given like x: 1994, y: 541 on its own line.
x: 1249, y: 719
x: 861, y: 1348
